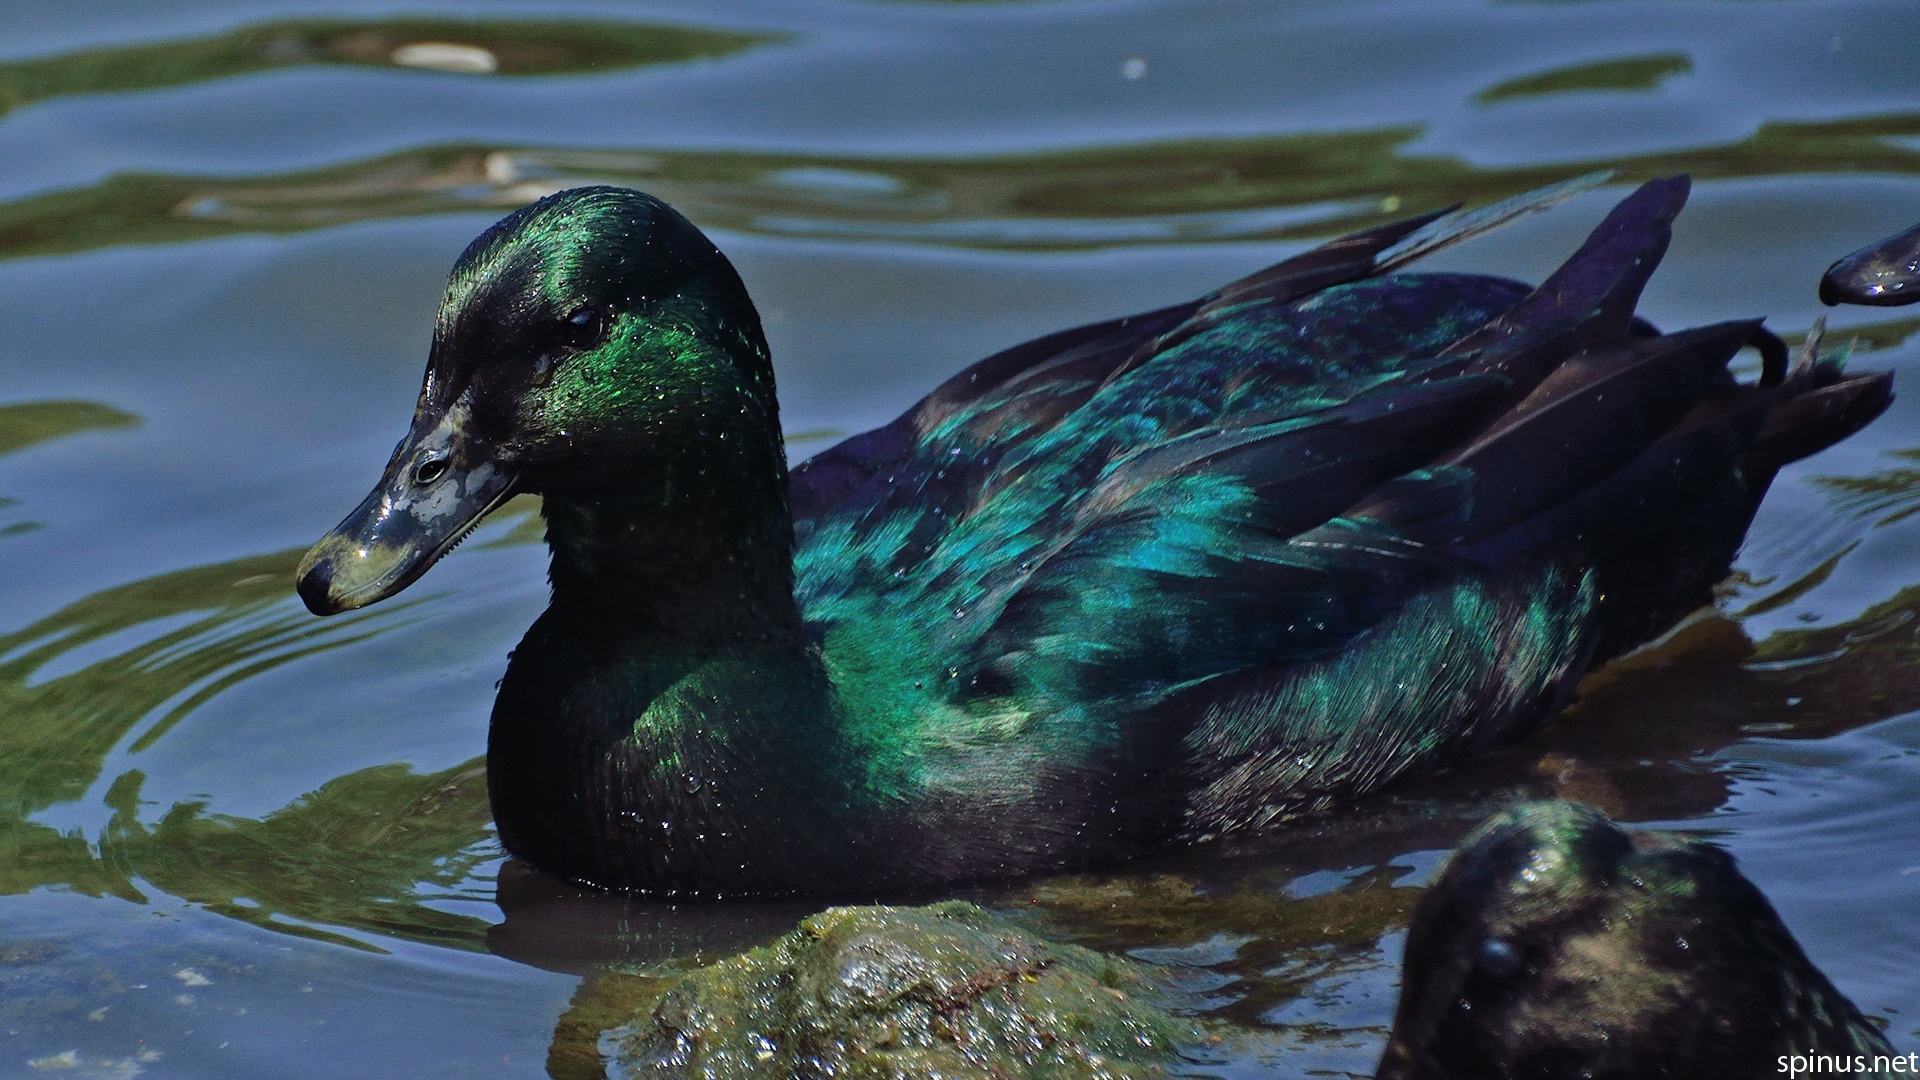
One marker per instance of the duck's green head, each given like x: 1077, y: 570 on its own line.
x: 585, y: 342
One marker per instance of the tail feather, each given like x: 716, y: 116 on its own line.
x: 1668, y: 479
x: 1588, y: 419
x: 1611, y: 423
x: 1815, y: 418
x: 1605, y: 276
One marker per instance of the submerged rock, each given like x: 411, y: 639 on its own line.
x: 945, y: 991
x: 1556, y: 944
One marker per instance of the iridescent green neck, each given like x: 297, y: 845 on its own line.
x: 683, y: 534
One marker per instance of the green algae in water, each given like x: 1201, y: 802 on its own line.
x: 604, y: 1001
x: 946, y: 990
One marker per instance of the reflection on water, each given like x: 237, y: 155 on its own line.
x: 470, y: 46
x: 527, y: 527
x: 1627, y: 74
x: 366, y: 851
x: 34, y: 422
x: 1269, y: 188
x: 369, y: 852
x: 1893, y: 492
x: 29, y: 423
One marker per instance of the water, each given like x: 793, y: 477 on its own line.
x: 235, y: 840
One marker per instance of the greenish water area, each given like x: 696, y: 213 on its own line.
x: 239, y: 841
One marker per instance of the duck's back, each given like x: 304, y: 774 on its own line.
x: 1212, y: 565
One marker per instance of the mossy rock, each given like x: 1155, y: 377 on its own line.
x: 945, y: 991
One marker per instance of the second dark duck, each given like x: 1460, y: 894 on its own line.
x: 1151, y: 580
x: 1557, y: 946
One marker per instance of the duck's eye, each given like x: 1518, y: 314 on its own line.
x: 1499, y: 957
x: 583, y: 327
x: 429, y: 471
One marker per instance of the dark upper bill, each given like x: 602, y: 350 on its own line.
x: 438, y: 485
x: 1885, y: 274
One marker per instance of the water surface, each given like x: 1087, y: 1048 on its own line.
x: 239, y: 841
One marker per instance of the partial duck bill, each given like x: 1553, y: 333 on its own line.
x: 437, y: 487
x: 1886, y: 274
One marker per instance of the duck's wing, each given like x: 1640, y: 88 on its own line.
x: 1058, y: 372
x: 1279, y: 472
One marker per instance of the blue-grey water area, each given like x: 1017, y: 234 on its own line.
x: 236, y: 840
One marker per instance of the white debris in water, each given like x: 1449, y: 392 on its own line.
x: 68, y: 1060
x: 106, y: 1068
x: 1134, y: 69
x: 192, y: 978
x: 446, y: 56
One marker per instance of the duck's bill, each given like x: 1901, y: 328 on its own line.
x: 409, y: 521
x: 1885, y: 274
